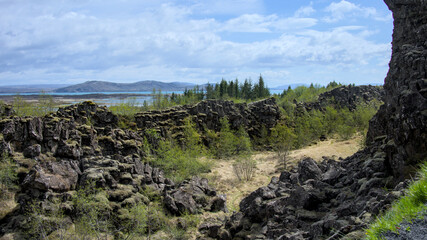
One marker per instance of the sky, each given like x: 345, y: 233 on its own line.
x: 197, y: 41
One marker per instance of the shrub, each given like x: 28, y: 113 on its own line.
x: 8, y: 176
x: 229, y: 143
x: 177, y: 163
x: 42, y: 223
x: 282, y: 139
x: 244, y: 168
x: 143, y: 220
x: 181, y: 161
x: 92, y: 211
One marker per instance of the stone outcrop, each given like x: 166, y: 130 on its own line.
x: 345, y: 97
x: 208, y: 113
x: 337, y: 199
x: 190, y: 197
x: 403, y: 117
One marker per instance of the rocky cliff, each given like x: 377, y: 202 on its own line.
x: 403, y: 117
x: 333, y: 200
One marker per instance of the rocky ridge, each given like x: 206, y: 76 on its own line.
x: 345, y: 97
x: 208, y: 113
x: 332, y: 200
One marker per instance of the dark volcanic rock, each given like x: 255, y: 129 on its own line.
x: 208, y: 113
x: 345, y: 97
x: 193, y: 195
x: 403, y: 117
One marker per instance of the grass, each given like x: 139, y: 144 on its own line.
x: 406, y: 208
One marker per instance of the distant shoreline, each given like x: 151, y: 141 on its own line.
x: 76, y: 97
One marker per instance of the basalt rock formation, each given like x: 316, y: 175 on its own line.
x: 208, y: 113
x: 336, y: 199
x: 403, y: 117
x: 345, y: 97
x: 81, y: 144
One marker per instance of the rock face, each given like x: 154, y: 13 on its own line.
x: 403, y: 117
x: 208, y: 113
x: 338, y: 199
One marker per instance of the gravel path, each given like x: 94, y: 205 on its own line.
x: 416, y: 230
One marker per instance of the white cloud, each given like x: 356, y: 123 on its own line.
x: 345, y: 9
x: 164, y: 41
x: 266, y: 24
x: 305, y: 11
x: 228, y: 7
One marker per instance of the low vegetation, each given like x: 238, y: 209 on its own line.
x: 8, y: 177
x: 43, y: 106
x: 412, y: 205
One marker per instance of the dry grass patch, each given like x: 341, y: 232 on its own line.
x: 268, y: 165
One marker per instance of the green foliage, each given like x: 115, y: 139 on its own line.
x: 92, y: 212
x: 305, y: 94
x: 406, y: 208
x: 45, y: 105
x: 282, y: 140
x: 42, y: 222
x: 234, y: 90
x: 309, y: 126
x: 191, y: 140
x: 181, y: 161
x: 8, y: 176
x: 228, y: 143
x: 142, y: 220
x: 127, y: 107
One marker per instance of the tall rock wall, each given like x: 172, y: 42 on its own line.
x: 402, y: 120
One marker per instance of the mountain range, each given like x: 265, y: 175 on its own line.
x: 141, y: 86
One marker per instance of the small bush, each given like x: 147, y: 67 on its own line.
x: 229, y: 143
x: 8, y: 176
x: 244, y: 168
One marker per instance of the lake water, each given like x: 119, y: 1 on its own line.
x: 109, y: 100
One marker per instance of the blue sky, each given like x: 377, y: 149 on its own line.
x: 198, y: 41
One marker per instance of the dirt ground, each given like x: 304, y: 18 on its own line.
x: 268, y: 165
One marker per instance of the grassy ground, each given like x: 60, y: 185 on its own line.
x: 408, y: 207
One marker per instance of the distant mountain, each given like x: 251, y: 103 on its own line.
x: 142, y: 86
x: 31, y: 88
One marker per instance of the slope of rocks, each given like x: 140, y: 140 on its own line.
x: 332, y: 200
